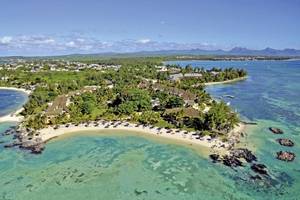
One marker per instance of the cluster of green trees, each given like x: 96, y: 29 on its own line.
x: 132, y: 100
x: 219, y: 120
x: 166, y: 100
x: 125, y: 100
x: 149, y: 117
x: 220, y: 117
x: 212, y: 75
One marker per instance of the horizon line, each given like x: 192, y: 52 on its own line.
x: 166, y: 50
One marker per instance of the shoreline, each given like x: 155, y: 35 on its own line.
x: 13, y: 116
x: 225, y: 82
x: 28, y: 92
x: 181, y: 136
x: 50, y: 133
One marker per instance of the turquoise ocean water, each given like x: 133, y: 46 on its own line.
x: 124, y: 166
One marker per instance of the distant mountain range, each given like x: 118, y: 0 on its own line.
x: 265, y: 52
x: 236, y: 51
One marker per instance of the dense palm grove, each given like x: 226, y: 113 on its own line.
x: 137, y: 91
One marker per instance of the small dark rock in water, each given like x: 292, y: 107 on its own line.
x: 36, y: 146
x: 37, y: 149
x: 285, y: 142
x: 57, y: 182
x: 259, y: 168
x: 232, y: 161
x: 285, y: 156
x: 276, y: 130
x: 27, y: 144
x: 9, y: 132
x: 215, y: 157
x: 256, y: 177
x: 244, y: 153
x: 137, y: 192
x: 12, y: 144
x: 9, y: 145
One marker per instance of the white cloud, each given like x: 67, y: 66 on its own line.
x: 71, y: 44
x: 48, y: 41
x: 144, y: 41
x: 33, y: 40
x: 49, y: 45
x: 5, y: 40
x: 80, y: 40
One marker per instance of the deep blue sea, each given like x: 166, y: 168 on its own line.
x: 125, y: 166
x: 11, y: 100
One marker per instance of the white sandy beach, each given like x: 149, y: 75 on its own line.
x: 174, y: 134
x: 13, y: 117
x: 225, y: 82
x: 49, y: 133
x: 16, y: 89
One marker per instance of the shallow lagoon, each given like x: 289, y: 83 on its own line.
x: 121, y: 166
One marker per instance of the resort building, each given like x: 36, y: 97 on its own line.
x: 177, y: 77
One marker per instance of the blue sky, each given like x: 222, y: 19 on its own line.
x: 35, y: 27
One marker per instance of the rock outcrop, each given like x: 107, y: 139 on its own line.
x: 244, y: 153
x: 285, y: 142
x: 231, y: 161
x: 286, y: 156
x: 35, y: 146
x: 215, y: 157
x: 260, y: 169
x: 276, y: 130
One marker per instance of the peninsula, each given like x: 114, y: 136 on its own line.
x: 135, y: 94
